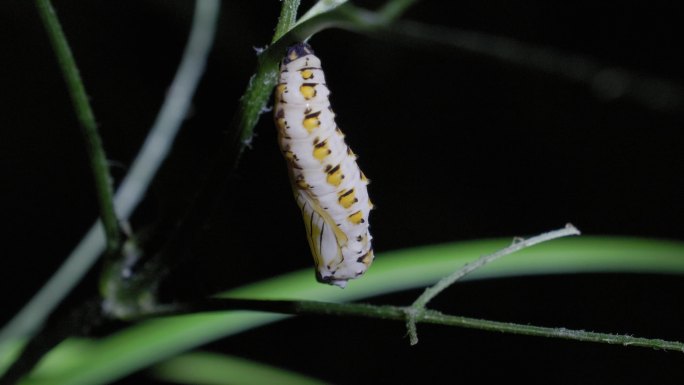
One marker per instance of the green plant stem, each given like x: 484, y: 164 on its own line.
x: 159, y: 143
x: 81, y: 320
x: 287, y: 19
x: 253, y: 101
x: 320, y: 7
x: 606, y: 81
x: 393, y: 9
x: 399, y: 313
x: 145, y: 343
x: 431, y: 292
x: 86, y: 118
x: 468, y: 268
x: 133, y: 187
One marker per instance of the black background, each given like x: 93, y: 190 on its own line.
x: 458, y: 147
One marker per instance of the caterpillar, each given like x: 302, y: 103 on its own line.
x: 328, y: 185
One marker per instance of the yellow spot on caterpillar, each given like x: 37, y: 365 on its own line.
x: 337, y: 232
x: 356, y: 218
x: 347, y: 198
x: 321, y: 150
x: 306, y: 74
x: 335, y: 176
x: 311, y: 121
x: 293, y: 55
x: 308, y: 90
x: 280, y: 90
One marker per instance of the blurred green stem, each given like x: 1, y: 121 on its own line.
x: 393, y: 9
x: 98, y: 160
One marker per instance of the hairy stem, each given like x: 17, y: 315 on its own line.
x: 86, y: 118
x: 398, y: 313
x: 468, y: 268
x: 418, y: 306
x: 287, y: 19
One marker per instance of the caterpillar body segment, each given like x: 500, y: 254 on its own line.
x: 328, y: 185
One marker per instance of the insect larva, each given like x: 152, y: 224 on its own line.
x: 328, y: 185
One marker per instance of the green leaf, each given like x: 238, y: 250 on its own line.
x: 216, y: 369
x: 152, y: 341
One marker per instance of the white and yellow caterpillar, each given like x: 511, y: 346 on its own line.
x: 329, y: 187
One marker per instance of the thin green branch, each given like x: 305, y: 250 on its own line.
x: 253, y: 102
x: 518, y: 244
x: 287, y: 19
x: 435, y: 317
x: 86, y: 118
x: 418, y: 306
x: 146, y: 343
x: 104, y: 234
x: 399, y: 313
x: 132, y: 189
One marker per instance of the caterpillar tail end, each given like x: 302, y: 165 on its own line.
x: 331, y: 280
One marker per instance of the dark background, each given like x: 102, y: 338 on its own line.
x: 458, y: 147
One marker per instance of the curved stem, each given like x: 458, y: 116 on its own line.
x: 468, y: 268
x: 417, y: 308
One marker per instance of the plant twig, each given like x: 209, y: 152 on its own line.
x: 518, y: 244
x: 253, y: 101
x: 419, y: 304
x: 608, y: 82
x: 86, y: 118
x: 399, y: 313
